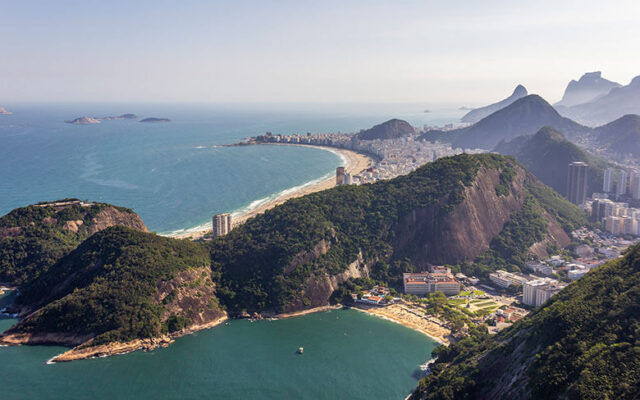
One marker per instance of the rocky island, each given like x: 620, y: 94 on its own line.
x: 83, y: 121
x: 152, y: 120
x: 4, y: 111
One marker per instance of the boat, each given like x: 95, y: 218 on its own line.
x: 301, y: 350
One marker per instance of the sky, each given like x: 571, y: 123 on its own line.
x: 348, y: 51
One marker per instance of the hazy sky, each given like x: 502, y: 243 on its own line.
x: 464, y: 52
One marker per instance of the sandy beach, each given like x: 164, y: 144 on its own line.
x: 356, y: 163
x: 410, y: 318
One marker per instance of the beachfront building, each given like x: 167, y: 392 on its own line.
x: 339, y: 175
x: 221, y: 224
x: 429, y: 282
x: 536, y: 292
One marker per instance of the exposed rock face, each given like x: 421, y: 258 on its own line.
x: 112, y: 216
x: 392, y: 129
x: 477, y: 114
x: 590, y: 86
x: 318, y: 289
x: 192, y: 294
x: 433, y: 236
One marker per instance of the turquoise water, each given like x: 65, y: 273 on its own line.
x: 173, y: 174
x: 347, y: 354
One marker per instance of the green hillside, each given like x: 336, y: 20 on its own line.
x: 584, y: 343
x: 110, y: 288
x: 547, y: 155
x: 33, y: 238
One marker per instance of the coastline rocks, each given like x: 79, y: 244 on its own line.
x: 83, y: 121
x: 156, y: 120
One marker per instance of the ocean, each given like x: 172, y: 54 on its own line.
x: 347, y: 355
x: 176, y: 176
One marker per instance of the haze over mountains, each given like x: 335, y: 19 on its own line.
x: 622, y: 136
x: 547, y: 153
x: 588, y: 88
x: 525, y: 116
x: 477, y: 114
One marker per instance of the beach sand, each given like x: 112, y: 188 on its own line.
x: 411, y: 318
x: 356, y: 163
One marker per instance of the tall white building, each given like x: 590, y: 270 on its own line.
x: 536, y: 292
x: 621, y: 185
x: 221, y: 224
x: 609, y: 176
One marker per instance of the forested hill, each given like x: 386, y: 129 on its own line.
x: 452, y: 210
x: 547, y: 155
x: 584, y: 343
x: 33, y: 238
x: 119, y: 285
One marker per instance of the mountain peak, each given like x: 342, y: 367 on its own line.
x: 520, y: 91
x: 391, y: 129
x: 590, y: 86
x: 477, y: 114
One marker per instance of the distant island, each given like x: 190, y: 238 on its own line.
x: 156, y: 120
x: 4, y: 111
x: 123, y: 116
x: 83, y: 121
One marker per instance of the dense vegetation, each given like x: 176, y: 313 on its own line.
x: 547, y: 155
x: 264, y: 264
x: 584, y: 343
x: 106, y: 287
x: 33, y: 238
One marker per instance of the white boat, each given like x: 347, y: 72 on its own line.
x: 301, y: 350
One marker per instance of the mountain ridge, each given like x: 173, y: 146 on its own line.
x: 477, y: 114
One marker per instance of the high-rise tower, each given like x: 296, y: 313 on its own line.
x: 577, y: 182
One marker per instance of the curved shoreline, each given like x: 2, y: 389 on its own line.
x: 355, y: 164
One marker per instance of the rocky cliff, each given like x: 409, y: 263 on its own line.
x: 453, y: 210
